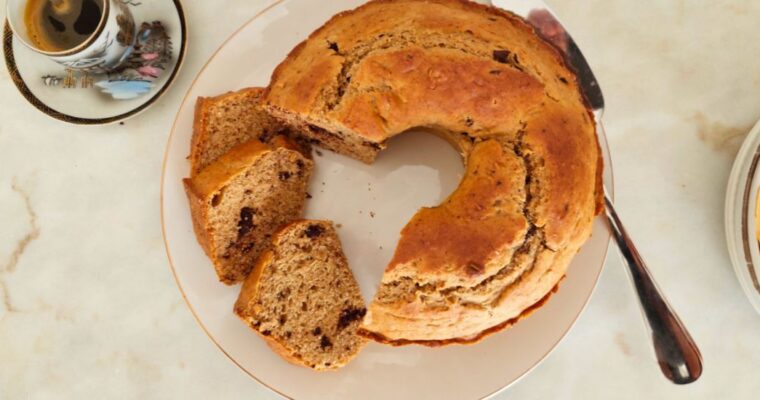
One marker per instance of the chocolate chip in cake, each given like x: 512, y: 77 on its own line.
x: 316, y: 331
x: 283, y: 319
x: 245, y: 224
x: 333, y: 46
x: 313, y: 231
x: 325, y: 342
x: 216, y: 199
x: 350, y: 315
x: 501, y: 56
x: 285, y: 175
x: 266, y: 332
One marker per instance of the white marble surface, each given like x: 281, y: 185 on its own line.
x: 89, y: 309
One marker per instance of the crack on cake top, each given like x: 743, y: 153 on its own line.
x: 387, y: 40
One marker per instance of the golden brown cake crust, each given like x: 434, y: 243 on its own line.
x: 532, y: 185
x: 482, y: 335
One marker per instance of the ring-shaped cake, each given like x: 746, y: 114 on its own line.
x: 482, y: 78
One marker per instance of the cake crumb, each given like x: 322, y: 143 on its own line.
x: 319, y: 153
x: 372, y: 214
x: 338, y: 225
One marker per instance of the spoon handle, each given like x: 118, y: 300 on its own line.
x: 676, y: 352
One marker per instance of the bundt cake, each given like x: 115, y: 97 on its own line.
x: 485, y: 80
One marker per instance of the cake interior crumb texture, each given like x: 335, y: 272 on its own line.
x: 238, y: 208
x: 303, y: 299
x: 224, y: 121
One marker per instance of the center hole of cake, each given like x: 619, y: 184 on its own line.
x: 372, y: 203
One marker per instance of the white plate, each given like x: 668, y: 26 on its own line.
x: 741, y: 203
x: 43, y: 83
x: 372, y: 203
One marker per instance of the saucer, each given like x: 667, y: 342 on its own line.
x: 90, y: 99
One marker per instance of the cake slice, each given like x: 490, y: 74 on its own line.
x: 302, y: 298
x: 238, y: 202
x: 227, y: 120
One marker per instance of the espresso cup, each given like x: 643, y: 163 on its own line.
x: 105, y: 49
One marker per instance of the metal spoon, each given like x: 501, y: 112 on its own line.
x: 677, y: 354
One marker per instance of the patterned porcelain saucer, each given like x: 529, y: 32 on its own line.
x: 84, y: 98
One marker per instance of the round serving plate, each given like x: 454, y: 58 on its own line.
x: 370, y: 204
x: 85, y: 99
x: 741, y: 221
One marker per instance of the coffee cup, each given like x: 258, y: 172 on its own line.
x: 94, y: 39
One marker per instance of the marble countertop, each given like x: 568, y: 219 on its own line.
x: 89, y: 308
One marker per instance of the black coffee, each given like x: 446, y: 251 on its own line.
x: 57, y: 25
